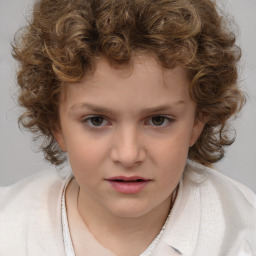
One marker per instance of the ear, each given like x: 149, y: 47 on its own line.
x: 197, y: 130
x: 59, y: 137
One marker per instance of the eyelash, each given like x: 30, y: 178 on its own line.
x: 167, y: 120
x: 88, y: 121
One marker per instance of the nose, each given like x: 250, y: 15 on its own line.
x: 127, y: 149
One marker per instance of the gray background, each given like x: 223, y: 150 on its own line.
x: 18, y: 156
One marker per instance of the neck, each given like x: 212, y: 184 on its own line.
x: 119, y: 233
x: 95, y: 216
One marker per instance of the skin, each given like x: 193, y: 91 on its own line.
x: 148, y: 125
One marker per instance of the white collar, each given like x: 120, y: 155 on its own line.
x: 184, y: 223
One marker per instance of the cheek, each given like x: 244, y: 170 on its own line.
x: 173, y: 146
x: 172, y: 160
x: 85, y: 155
x: 170, y: 155
x: 82, y: 160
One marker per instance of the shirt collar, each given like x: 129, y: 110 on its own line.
x: 184, y: 223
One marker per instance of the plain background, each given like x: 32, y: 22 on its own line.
x: 18, y: 156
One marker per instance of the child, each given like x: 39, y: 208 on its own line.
x: 137, y: 95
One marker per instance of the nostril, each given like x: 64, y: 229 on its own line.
x: 129, y: 155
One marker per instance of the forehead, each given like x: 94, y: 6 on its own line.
x: 145, y: 82
x: 140, y: 65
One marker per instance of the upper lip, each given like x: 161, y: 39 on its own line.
x: 125, y: 178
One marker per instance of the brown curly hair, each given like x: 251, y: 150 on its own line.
x: 64, y: 36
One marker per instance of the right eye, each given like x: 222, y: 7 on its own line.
x: 159, y: 121
x: 96, y: 121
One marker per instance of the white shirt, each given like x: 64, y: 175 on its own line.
x: 212, y: 216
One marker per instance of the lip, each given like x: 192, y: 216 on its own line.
x: 128, y: 185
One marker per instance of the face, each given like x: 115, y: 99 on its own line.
x: 127, y: 134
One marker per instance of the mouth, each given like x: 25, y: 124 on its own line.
x: 128, y: 185
x: 128, y: 179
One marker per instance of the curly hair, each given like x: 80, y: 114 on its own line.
x: 60, y: 44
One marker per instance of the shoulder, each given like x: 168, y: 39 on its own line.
x: 24, y: 206
x: 31, y: 193
x: 228, y: 208
x: 213, y: 180
x: 38, y: 184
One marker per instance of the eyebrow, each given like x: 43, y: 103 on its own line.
x: 165, y: 107
x: 102, y: 109
x: 92, y: 107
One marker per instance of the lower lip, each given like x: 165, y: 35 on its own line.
x: 128, y: 187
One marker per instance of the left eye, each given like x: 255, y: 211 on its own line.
x: 95, y: 121
x: 159, y: 121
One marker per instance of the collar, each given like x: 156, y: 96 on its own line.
x: 184, y: 223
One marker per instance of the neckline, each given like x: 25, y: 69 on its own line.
x: 68, y: 245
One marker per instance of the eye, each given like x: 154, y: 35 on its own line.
x: 95, y: 121
x: 159, y: 120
